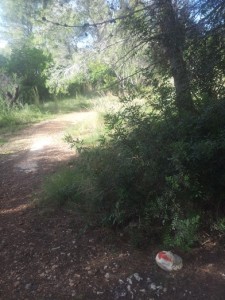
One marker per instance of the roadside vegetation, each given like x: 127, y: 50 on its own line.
x: 156, y: 174
x: 16, y: 117
x: 153, y: 163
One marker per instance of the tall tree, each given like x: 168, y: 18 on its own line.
x: 159, y: 27
x: 173, y: 42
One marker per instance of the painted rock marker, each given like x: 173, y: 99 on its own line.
x: 168, y: 261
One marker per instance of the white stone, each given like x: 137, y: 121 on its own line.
x: 153, y: 286
x: 28, y: 286
x: 137, y: 277
x: 129, y: 288
x: 129, y: 280
x: 99, y: 293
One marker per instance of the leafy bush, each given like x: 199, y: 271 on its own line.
x: 183, y: 233
x: 30, y: 64
x: 94, y: 78
x: 220, y: 225
x: 73, y: 187
x: 10, y: 118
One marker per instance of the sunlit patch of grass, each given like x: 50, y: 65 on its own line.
x: 61, y: 106
x: 106, y: 104
x: 88, y: 130
x: 13, y: 119
x: 31, y: 113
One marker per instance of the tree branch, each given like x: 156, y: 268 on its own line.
x: 86, y: 25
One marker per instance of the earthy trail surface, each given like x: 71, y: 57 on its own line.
x: 54, y: 256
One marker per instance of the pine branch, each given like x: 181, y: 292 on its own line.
x: 122, y: 79
x: 86, y: 25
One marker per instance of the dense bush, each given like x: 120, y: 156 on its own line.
x: 163, y: 173
x: 96, y: 77
x: 30, y: 65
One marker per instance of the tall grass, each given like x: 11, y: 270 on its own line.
x: 12, y: 119
x: 61, y: 106
x: 89, y: 131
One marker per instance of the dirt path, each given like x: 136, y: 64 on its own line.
x: 56, y: 257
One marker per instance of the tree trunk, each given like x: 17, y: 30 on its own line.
x: 36, y: 96
x: 12, y: 99
x: 173, y: 39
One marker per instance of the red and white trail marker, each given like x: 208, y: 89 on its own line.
x: 168, y: 261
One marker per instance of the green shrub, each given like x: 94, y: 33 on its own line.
x: 12, y: 117
x: 75, y: 188
x: 182, y: 233
x: 219, y: 225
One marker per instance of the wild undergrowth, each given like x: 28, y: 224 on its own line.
x: 13, y: 118
x: 159, y: 172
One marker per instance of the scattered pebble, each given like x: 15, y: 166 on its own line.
x: 130, y: 291
x: 129, y: 288
x: 153, y: 286
x: 159, y: 287
x: 16, y: 284
x: 137, y: 277
x: 28, y: 286
x: 54, y: 266
x: 99, y: 293
x: 71, y: 283
x: 56, y: 248
x: 123, y: 294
